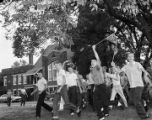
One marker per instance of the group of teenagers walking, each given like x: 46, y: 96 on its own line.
x: 72, y: 88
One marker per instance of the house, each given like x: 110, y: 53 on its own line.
x: 14, y: 79
x: 2, y: 89
x: 46, y: 63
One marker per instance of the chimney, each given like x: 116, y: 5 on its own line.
x: 31, y: 59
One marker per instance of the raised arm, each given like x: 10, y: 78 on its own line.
x: 96, y: 54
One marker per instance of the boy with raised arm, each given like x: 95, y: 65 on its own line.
x: 101, y: 99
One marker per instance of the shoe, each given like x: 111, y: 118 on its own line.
x: 78, y: 112
x: 146, y: 117
x: 55, y: 118
x: 72, y: 114
x: 38, y: 118
x: 102, y: 118
x: 106, y: 115
x: 110, y: 107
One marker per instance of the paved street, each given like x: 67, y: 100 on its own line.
x: 16, y: 112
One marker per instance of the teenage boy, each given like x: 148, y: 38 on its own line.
x: 41, y: 89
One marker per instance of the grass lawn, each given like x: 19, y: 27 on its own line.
x: 16, y: 112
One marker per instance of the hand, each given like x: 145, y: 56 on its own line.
x: 31, y: 94
x: 58, y: 90
x: 112, y: 64
x: 93, y: 47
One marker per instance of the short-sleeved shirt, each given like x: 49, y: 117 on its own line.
x: 41, y: 84
x: 90, y: 79
x: 23, y: 91
x: 115, y: 82
x: 60, y: 75
x: 71, y: 79
x: 97, y: 75
x: 134, y: 74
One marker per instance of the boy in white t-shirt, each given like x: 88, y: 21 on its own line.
x: 134, y: 71
x: 41, y: 89
x: 62, y: 92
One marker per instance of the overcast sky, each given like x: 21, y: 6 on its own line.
x: 7, y: 57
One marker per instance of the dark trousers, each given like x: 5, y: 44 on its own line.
x: 57, y: 97
x: 23, y: 99
x: 75, y: 96
x: 101, y: 100
x: 90, y: 95
x: 40, y: 103
x: 136, y: 96
x: 9, y: 101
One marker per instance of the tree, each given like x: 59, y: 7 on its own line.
x: 19, y: 63
x: 37, y: 22
x: 132, y: 20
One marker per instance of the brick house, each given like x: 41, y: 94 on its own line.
x: 14, y: 79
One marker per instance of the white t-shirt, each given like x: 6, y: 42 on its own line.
x: 59, y: 77
x: 41, y: 84
x: 71, y: 79
x: 90, y: 80
x: 23, y: 91
x: 134, y: 74
x: 115, y: 79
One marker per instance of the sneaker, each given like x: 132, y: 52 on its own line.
x: 102, y: 118
x: 106, y: 115
x: 55, y: 118
x: 78, y: 112
x: 72, y: 114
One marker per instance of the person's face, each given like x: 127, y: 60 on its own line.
x: 70, y: 69
x: 114, y: 69
x: 40, y: 75
x: 58, y: 66
x: 93, y: 63
x: 130, y: 57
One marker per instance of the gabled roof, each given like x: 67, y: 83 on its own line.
x: 38, y: 65
x: 16, y: 70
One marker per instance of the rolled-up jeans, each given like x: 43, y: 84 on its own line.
x: 57, y: 98
x: 136, y: 94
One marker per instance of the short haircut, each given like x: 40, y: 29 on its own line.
x: 128, y: 53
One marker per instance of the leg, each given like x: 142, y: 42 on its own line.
x: 120, y: 92
x: 137, y: 92
x: 113, y: 94
x: 47, y: 107
x: 105, y: 100
x: 65, y: 97
x: 56, y: 99
x: 40, y: 103
x: 38, y: 107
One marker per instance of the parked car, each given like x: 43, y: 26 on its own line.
x: 3, y: 98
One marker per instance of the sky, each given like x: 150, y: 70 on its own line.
x: 7, y: 57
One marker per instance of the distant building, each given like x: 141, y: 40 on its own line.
x: 2, y: 89
x: 14, y: 79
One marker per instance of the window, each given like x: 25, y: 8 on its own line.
x: 19, y: 79
x: 24, y: 79
x: 14, y: 80
x: 5, y: 80
x: 52, y: 72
